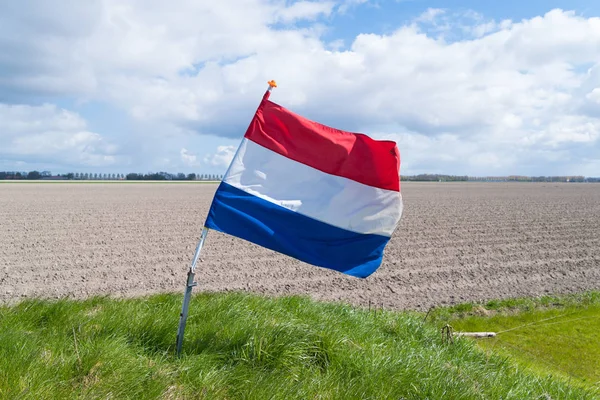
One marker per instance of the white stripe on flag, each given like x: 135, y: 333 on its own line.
x: 338, y: 201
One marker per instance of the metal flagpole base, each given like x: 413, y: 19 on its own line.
x: 184, y: 311
x: 188, y: 292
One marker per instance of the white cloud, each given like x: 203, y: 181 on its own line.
x: 305, y: 10
x: 482, y: 29
x: 59, y: 137
x: 509, y: 96
x: 347, y: 5
x: 222, y: 158
x: 188, y: 158
x: 594, y: 95
x: 455, y: 25
x: 430, y: 15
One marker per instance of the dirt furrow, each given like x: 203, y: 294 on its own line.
x: 456, y: 242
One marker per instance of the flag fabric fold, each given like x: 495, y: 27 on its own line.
x: 324, y: 196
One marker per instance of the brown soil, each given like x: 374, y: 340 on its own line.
x: 456, y: 242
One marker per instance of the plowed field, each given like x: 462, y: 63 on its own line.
x: 456, y: 242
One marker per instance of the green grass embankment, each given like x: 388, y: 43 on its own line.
x: 246, y: 346
x: 549, y: 335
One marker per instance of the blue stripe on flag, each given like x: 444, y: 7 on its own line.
x: 243, y: 215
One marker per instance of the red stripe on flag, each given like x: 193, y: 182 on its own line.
x: 350, y: 155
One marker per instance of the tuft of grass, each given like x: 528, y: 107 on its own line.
x: 556, y: 335
x: 516, y: 305
x: 246, y: 346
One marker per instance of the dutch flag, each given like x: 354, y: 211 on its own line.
x: 324, y: 196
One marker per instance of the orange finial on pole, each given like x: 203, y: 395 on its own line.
x: 272, y: 84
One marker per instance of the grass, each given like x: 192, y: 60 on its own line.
x: 250, y: 347
x: 551, y: 335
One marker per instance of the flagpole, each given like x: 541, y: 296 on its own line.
x: 188, y: 290
x: 192, y: 271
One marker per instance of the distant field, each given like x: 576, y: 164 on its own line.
x: 456, y: 242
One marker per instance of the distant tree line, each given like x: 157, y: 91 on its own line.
x: 165, y: 176
x: 434, y: 178
x: 510, y: 178
x: 47, y: 175
x: 519, y: 178
x: 152, y: 176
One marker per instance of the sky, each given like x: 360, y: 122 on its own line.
x: 463, y: 87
